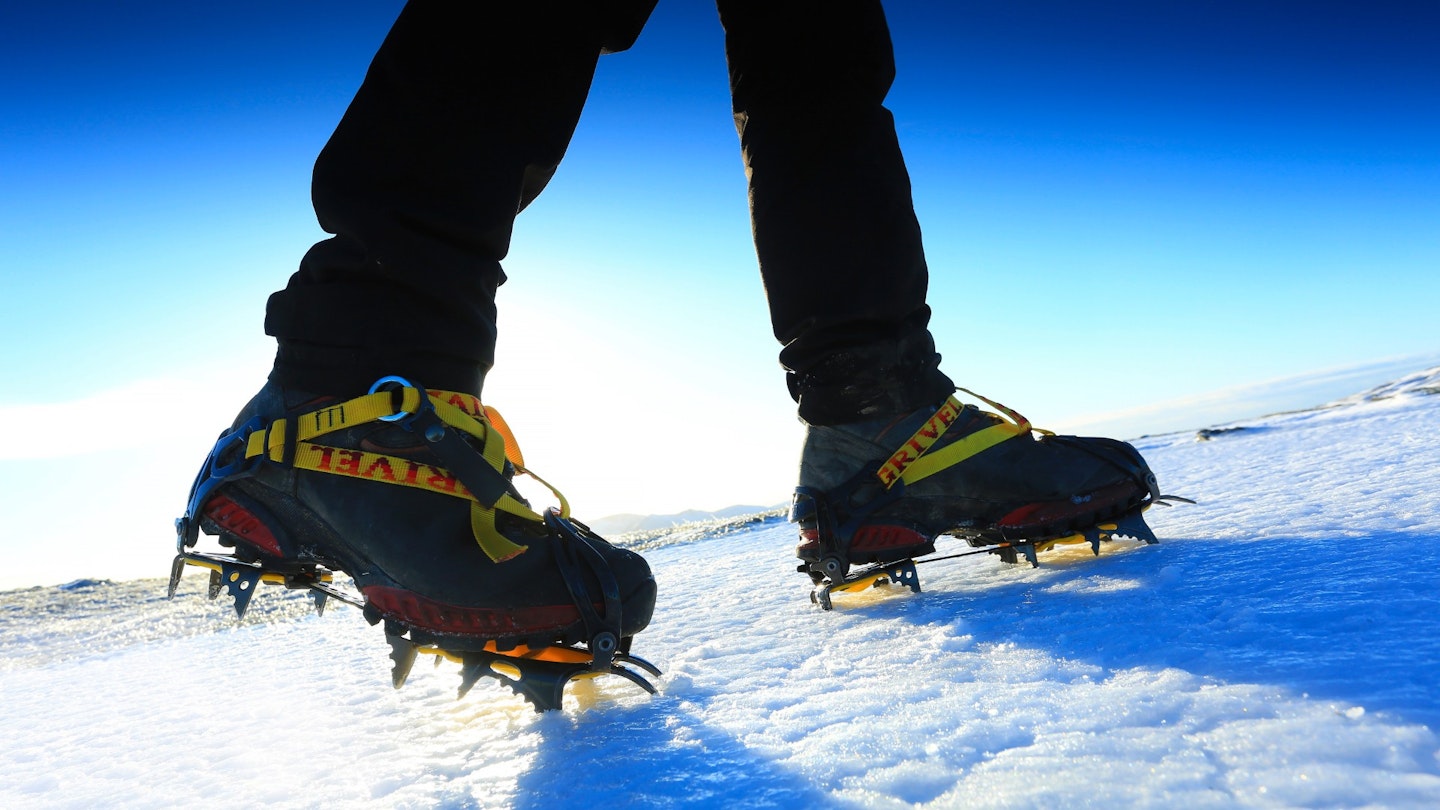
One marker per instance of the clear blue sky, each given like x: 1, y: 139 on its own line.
x: 1125, y: 205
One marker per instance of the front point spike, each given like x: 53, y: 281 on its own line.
x: 627, y: 658
x: 239, y: 582
x: 216, y: 583
x: 544, y: 686
x: 320, y: 597
x: 176, y: 569
x: 633, y: 678
x: 402, y: 652
x: 1030, y: 555
x: 471, y: 670
x: 1134, y: 525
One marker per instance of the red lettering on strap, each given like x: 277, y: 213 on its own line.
x: 349, y: 463
x: 441, y: 480
x: 381, y: 465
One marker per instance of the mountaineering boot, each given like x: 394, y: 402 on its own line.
x: 410, y: 493
x: 882, y: 490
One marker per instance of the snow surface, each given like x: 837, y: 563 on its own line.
x: 1279, y: 648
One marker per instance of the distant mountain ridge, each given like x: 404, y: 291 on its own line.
x: 1419, y: 383
x: 625, y: 523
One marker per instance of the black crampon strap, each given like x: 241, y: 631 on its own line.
x: 574, y: 546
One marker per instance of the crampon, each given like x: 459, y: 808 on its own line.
x: 833, y: 575
x: 857, y: 536
x: 256, y: 550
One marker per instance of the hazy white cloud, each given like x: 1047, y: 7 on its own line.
x: 1247, y: 401
x: 173, y: 411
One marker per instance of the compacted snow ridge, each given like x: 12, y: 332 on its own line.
x: 1278, y: 648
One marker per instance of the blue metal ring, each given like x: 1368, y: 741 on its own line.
x: 381, y: 383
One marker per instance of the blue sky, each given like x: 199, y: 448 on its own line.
x: 1127, y: 206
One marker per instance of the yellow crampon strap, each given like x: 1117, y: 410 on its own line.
x: 512, y: 449
x: 914, y: 461
x: 461, y: 411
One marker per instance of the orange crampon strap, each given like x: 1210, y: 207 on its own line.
x: 460, y: 411
x: 915, y: 461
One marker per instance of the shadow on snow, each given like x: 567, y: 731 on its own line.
x: 656, y: 754
x: 1346, y: 619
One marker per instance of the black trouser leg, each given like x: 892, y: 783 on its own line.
x: 463, y: 117
x: 835, y: 231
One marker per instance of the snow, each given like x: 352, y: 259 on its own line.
x: 1279, y: 648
